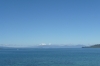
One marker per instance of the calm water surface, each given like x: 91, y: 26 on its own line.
x: 50, y: 57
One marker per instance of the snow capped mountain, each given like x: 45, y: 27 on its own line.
x: 43, y: 45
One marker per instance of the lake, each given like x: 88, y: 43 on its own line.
x: 50, y: 57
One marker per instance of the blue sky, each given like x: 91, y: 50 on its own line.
x: 31, y: 22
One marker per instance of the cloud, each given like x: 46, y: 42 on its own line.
x: 43, y: 44
x: 49, y: 43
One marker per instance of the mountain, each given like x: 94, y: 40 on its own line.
x: 58, y: 46
x: 43, y: 46
x: 92, y: 46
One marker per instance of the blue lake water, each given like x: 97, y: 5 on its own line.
x: 50, y: 57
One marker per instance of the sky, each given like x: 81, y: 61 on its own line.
x: 32, y: 22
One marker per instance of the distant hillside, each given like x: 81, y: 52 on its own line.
x: 93, y: 46
x: 58, y: 46
x: 43, y: 46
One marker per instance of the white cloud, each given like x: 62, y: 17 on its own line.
x: 43, y: 44
x: 49, y: 43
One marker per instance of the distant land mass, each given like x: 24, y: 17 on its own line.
x: 57, y: 46
x: 46, y: 46
x: 92, y: 46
